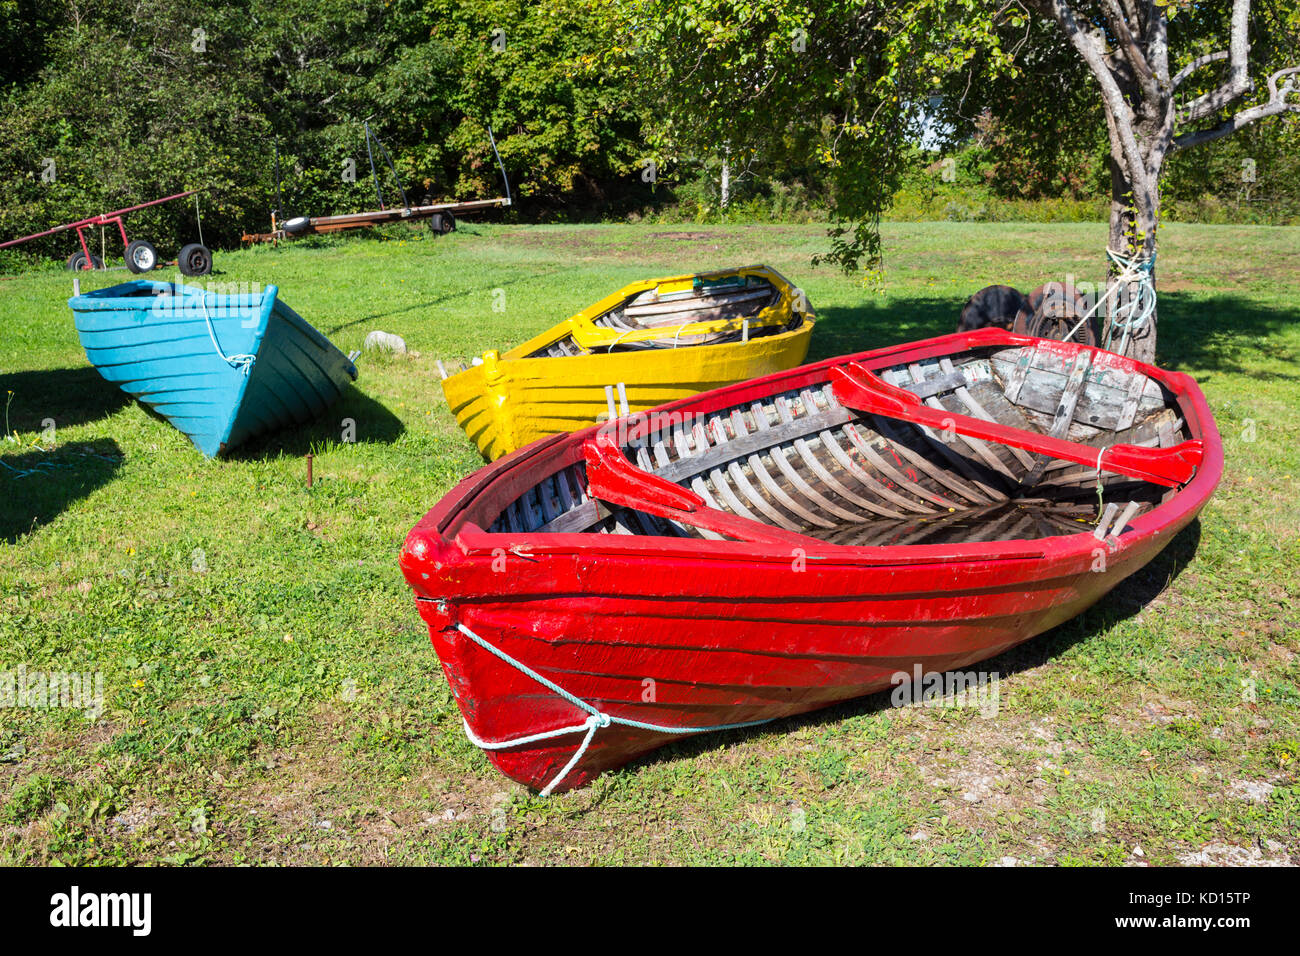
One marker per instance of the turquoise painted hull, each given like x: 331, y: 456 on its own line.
x: 221, y: 368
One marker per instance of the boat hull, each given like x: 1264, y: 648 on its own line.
x: 684, y: 633
x: 221, y: 368
x: 505, y: 404
x: 725, y: 654
x: 555, y: 383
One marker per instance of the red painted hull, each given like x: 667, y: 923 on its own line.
x: 691, y: 633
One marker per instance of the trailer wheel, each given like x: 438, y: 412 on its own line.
x: 442, y: 223
x: 194, y: 260
x: 77, y: 262
x: 141, y: 256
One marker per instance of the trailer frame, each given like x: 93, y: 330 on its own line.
x: 113, y: 218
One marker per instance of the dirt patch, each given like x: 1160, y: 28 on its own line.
x: 1227, y: 854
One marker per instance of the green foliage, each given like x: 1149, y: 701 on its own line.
x: 835, y: 83
x: 135, y: 100
x: 814, y: 106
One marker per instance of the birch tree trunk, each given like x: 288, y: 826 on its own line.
x: 1125, y: 45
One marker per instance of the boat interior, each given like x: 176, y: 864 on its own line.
x: 738, y: 306
x: 804, y: 462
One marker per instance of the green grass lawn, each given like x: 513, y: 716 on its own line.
x: 270, y: 695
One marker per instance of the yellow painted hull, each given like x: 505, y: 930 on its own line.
x: 511, y: 400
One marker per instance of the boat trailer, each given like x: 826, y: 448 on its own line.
x: 441, y: 216
x: 194, y: 259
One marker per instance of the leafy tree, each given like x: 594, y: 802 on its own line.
x: 726, y: 75
x: 136, y: 99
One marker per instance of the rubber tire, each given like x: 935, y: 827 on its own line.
x: 141, y: 248
x: 442, y: 223
x: 1015, y: 305
x: 194, y: 260
x: 77, y: 262
x: 1053, y: 316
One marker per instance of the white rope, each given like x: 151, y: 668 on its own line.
x: 1138, y: 309
x: 618, y: 337
x: 595, y: 721
x: 242, y: 362
x: 679, y: 332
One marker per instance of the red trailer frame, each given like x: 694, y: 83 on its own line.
x: 113, y: 218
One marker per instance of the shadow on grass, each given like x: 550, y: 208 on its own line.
x: 1221, y: 333
x: 446, y: 297
x: 37, y: 486
x: 1128, y: 598
x: 69, y: 396
x: 357, y: 417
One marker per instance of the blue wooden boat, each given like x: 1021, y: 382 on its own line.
x: 221, y: 368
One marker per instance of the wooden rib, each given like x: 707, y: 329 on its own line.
x: 815, y: 465
x: 697, y: 484
x: 878, y: 461
x: 724, y: 490
x: 875, y: 485
x: 868, y: 451
x: 548, y: 498
x: 769, y: 483
x: 563, y: 478
x: 895, y: 430
x: 980, y: 449
x: 797, y: 481
x: 738, y: 476
x: 511, y: 516
x: 789, y: 429
x: 944, y: 477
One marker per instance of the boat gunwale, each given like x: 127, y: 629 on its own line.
x: 447, y: 525
x: 526, y: 351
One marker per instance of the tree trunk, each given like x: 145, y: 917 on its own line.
x: 1134, y: 219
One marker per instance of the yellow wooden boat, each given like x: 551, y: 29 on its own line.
x: 651, y: 342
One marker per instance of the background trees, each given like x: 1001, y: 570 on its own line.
x: 814, y: 107
x: 134, y: 99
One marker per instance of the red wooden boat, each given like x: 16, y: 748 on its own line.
x: 796, y: 540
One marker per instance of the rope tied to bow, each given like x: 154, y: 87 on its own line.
x: 244, y: 361
x: 596, y: 719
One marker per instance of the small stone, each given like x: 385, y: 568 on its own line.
x: 384, y: 341
x: 1254, y: 791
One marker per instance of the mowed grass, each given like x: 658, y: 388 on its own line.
x: 270, y: 695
